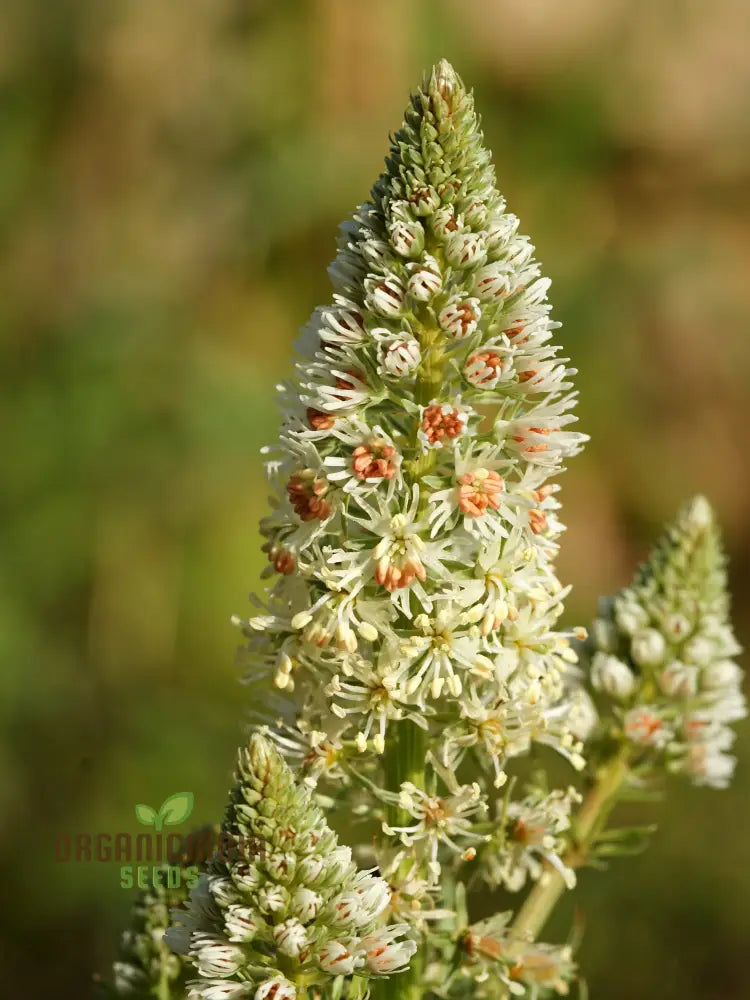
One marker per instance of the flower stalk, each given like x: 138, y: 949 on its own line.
x: 587, y: 825
x: 407, y: 652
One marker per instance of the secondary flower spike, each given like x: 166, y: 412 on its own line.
x: 290, y: 910
x: 661, y: 655
x: 411, y: 631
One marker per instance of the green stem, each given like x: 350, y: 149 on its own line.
x: 591, y: 819
x: 405, y: 761
x: 162, y: 990
x: 405, y: 758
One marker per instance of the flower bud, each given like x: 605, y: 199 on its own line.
x: 491, y: 282
x: 272, y: 899
x: 407, y: 238
x: 401, y: 357
x: 612, y: 676
x: 475, y: 216
x: 679, y: 680
x: 290, y: 937
x: 281, y: 867
x: 312, y: 870
x: 276, y: 989
x: 630, y: 617
x: 423, y: 284
x: 443, y: 222
x: 424, y: 200
x: 722, y: 673
x: 675, y: 627
x: 499, y: 233
x: 241, y: 923
x: 698, y: 650
x: 460, y: 318
x: 215, y: 956
x: 465, y: 250
x: 604, y: 634
x: 648, y: 648
x: 305, y: 904
x: 385, y: 295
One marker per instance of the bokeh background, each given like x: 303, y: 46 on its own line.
x: 170, y: 182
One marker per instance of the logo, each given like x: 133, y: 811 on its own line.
x: 173, y: 810
x: 159, y: 858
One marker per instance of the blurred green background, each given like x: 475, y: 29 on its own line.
x: 170, y: 182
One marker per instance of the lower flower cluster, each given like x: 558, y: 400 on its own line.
x: 297, y: 913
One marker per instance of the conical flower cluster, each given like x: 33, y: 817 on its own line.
x: 145, y: 963
x: 287, y: 909
x: 414, y: 521
x: 660, y: 655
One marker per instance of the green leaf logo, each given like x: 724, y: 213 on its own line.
x: 145, y: 814
x: 173, y: 810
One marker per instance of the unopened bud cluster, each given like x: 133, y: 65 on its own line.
x: 297, y: 913
x: 660, y: 655
x: 145, y: 963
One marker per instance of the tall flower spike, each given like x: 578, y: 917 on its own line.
x: 282, y: 907
x: 413, y: 621
x: 660, y: 655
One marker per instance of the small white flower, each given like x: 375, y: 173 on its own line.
x: 582, y: 717
x: 439, y: 820
x: 337, y: 959
x: 708, y: 764
x: 533, y: 837
x: 485, y: 369
x: 643, y: 725
x: 385, y: 955
x: 500, y: 231
x: 312, y: 870
x: 339, y: 863
x: 444, y: 222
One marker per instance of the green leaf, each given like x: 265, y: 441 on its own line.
x: 176, y: 808
x: 145, y: 814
